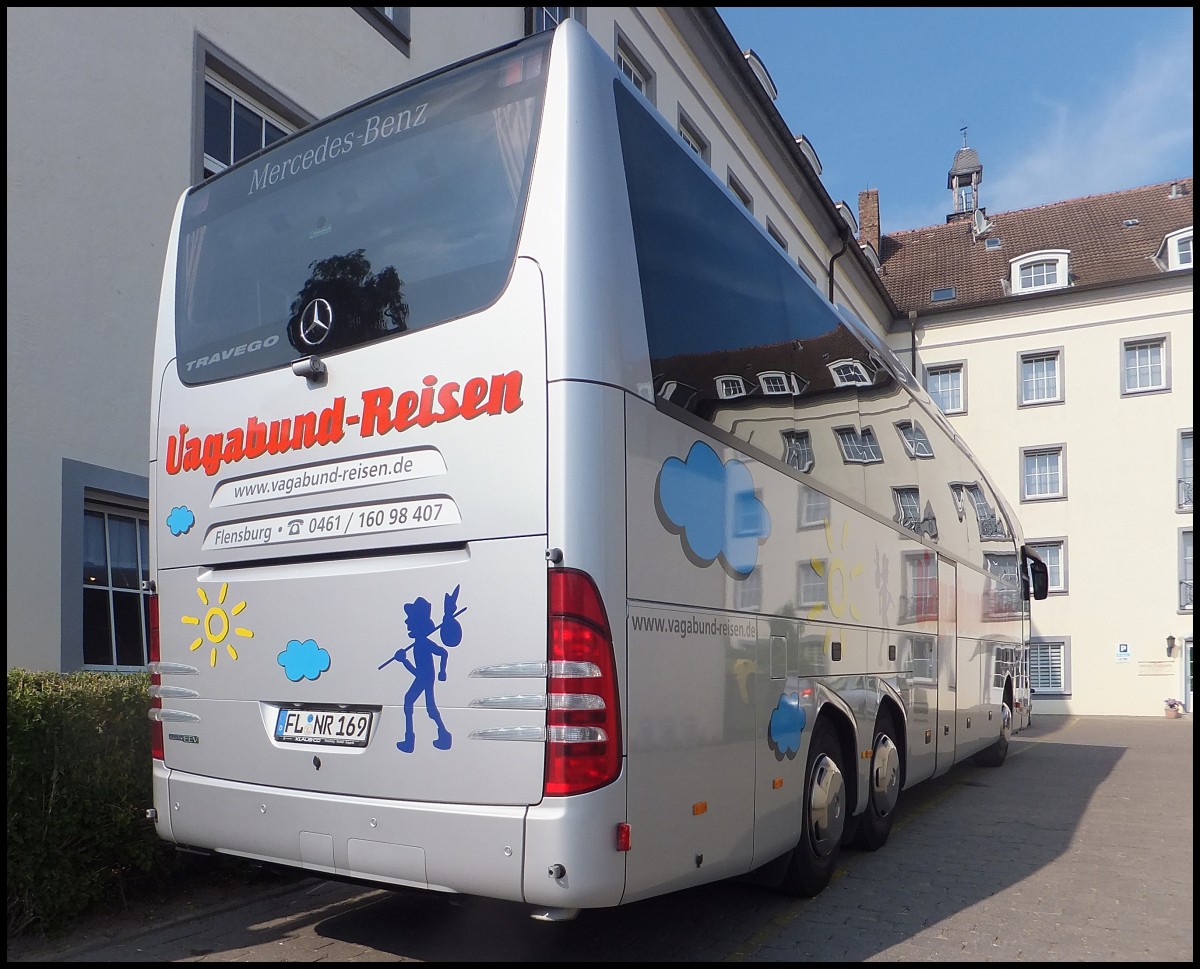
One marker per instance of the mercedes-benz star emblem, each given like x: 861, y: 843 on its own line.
x: 315, y: 322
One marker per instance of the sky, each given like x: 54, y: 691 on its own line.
x: 1058, y: 102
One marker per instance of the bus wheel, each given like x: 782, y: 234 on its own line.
x: 875, y: 823
x: 812, y: 860
x: 996, y: 754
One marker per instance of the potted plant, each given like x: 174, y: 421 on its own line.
x: 1173, y: 708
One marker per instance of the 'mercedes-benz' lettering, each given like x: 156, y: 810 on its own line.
x: 384, y: 410
x: 228, y: 352
x: 271, y: 171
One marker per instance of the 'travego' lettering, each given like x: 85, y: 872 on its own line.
x: 383, y: 410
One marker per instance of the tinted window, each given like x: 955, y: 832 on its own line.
x: 399, y: 214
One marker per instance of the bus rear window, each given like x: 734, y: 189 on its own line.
x: 394, y: 216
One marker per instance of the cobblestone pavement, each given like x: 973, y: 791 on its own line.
x: 1078, y: 849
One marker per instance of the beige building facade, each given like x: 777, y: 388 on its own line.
x: 1059, y: 342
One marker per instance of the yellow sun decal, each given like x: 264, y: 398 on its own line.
x: 838, y: 577
x: 217, y: 625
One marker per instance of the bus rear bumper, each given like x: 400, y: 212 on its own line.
x: 472, y: 849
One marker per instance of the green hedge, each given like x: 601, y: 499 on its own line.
x: 79, y: 784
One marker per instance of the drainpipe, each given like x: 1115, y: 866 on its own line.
x: 912, y: 331
x: 842, y: 231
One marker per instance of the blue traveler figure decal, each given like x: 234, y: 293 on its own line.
x: 420, y: 625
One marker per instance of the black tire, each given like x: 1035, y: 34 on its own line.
x: 884, y: 783
x: 823, y: 816
x: 996, y: 754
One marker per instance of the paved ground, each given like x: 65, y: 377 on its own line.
x: 1077, y: 849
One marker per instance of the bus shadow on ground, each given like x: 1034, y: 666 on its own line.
x: 958, y: 840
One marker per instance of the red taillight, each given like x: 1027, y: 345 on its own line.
x: 583, y: 721
x: 156, y: 727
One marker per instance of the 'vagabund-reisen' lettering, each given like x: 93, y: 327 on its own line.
x: 384, y: 410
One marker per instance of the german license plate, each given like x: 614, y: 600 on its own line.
x: 338, y: 728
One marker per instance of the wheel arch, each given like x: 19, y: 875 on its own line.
x: 893, y: 706
x: 833, y: 710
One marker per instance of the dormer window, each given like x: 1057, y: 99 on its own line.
x: 778, y: 382
x: 849, y: 373
x: 1176, y: 251
x: 1038, y: 271
x: 729, y: 387
x: 677, y: 393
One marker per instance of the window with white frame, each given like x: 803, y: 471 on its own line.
x: 964, y: 197
x: 946, y: 384
x: 908, y: 507
x: 797, y: 450
x: 116, y: 621
x: 695, y: 140
x: 740, y: 191
x: 747, y: 592
x: 1049, y: 666
x: 919, y: 590
x: 813, y: 509
x: 236, y: 125
x: 779, y: 382
x: 1177, y: 247
x: 991, y: 525
x: 1184, y: 484
x: 1002, y: 594
x: 1039, y: 271
x: 1186, y: 587
x: 1003, y: 565
x: 1043, y: 475
x: 850, y: 373
x: 1053, y: 551
x: 810, y: 583
x: 1144, y: 365
x: 921, y: 652
x: 634, y: 67
x: 916, y: 442
x: 858, y: 447
x: 1041, y: 377
x: 730, y: 386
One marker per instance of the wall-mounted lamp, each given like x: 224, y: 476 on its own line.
x: 1170, y: 645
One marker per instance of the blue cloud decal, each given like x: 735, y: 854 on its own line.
x: 304, y: 660
x: 786, y: 726
x: 714, y: 507
x: 181, y: 520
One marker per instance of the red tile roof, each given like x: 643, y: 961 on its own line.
x: 1111, y: 239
